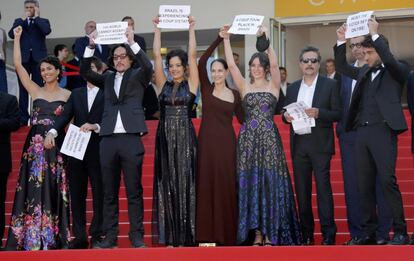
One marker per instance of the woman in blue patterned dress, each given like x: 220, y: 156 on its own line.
x: 40, y: 215
x: 266, y: 202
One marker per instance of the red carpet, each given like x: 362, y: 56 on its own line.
x: 405, y: 172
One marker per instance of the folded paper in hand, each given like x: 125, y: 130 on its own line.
x: 301, y: 123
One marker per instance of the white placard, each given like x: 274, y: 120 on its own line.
x: 302, y: 123
x: 357, y: 24
x: 174, y: 16
x: 75, y: 142
x: 246, y: 24
x: 111, y: 33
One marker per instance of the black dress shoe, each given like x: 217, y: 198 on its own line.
x: 107, y: 242
x: 137, y: 242
x: 328, y: 241
x: 78, y: 244
x: 308, y: 241
x: 353, y: 241
x: 399, y: 239
x: 94, y: 242
x: 382, y: 241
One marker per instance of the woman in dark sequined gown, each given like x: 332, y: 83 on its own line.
x: 40, y: 215
x: 265, y: 195
x: 173, y: 216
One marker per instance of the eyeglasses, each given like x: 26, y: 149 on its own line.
x: 121, y: 56
x: 312, y: 60
x: 357, y: 45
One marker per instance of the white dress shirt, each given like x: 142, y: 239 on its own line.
x: 283, y: 87
x: 92, y: 92
x: 306, y: 92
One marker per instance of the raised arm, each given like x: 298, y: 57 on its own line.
x: 274, y: 66
x: 145, y: 67
x: 160, y: 78
x: 234, y: 70
x: 17, y: 22
x: 202, y: 62
x: 193, y: 79
x: 24, y: 77
x: 398, y: 70
x: 85, y: 65
x: 341, y: 64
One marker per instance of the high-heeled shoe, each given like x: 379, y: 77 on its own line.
x: 258, y: 240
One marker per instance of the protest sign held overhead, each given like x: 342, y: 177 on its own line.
x: 111, y: 33
x: 174, y: 16
x: 357, y: 24
x: 246, y: 24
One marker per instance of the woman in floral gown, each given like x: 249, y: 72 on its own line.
x: 265, y: 195
x: 40, y: 216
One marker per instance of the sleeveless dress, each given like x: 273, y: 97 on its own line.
x: 173, y: 215
x: 40, y: 216
x: 216, y: 216
x: 266, y: 201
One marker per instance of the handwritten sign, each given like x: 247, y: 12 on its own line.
x: 246, y: 24
x: 111, y: 33
x: 75, y: 142
x: 174, y: 16
x: 357, y: 24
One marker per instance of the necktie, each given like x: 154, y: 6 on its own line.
x: 31, y: 21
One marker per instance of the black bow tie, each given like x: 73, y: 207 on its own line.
x: 376, y: 68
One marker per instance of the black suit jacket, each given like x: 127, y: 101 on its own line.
x: 131, y: 94
x: 387, y: 92
x: 33, y: 38
x: 77, y: 108
x: 326, y: 99
x: 9, y: 121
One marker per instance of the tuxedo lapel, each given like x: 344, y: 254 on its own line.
x: 84, y: 99
x: 124, y: 84
x: 318, y: 89
x: 295, y: 92
x: 97, y: 98
x: 112, y: 93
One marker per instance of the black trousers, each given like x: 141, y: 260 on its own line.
x: 352, y: 195
x: 305, y: 162
x: 79, y: 172
x: 3, y: 194
x: 376, y: 155
x: 122, y: 152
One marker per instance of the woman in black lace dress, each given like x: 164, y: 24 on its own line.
x: 173, y: 216
x: 40, y: 216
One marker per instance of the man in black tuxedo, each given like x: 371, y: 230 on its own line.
x: 85, y: 106
x: 410, y: 101
x: 123, y: 124
x: 376, y: 115
x: 312, y: 152
x: 33, y: 48
x: 348, y: 158
x: 9, y: 121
